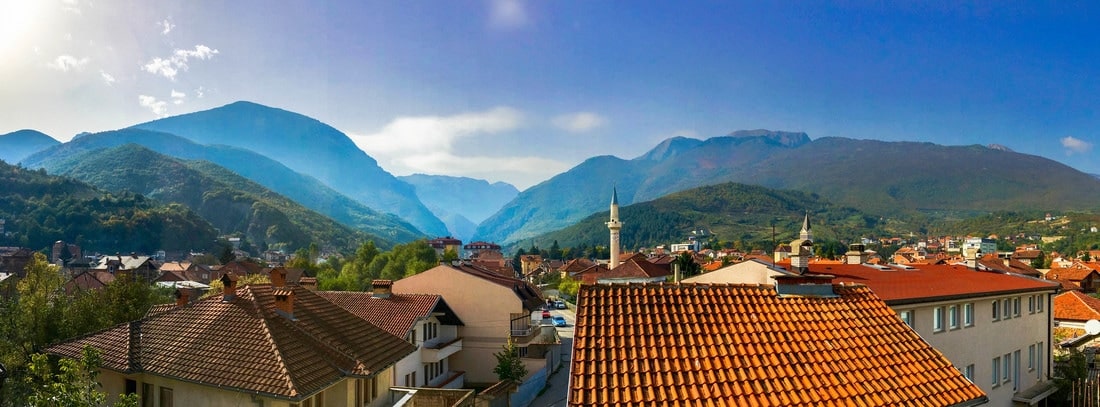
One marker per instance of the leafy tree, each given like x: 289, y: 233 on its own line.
x: 450, y: 255
x: 688, y: 266
x: 226, y: 255
x: 509, y: 365
x: 569, y: 286
x: 74, y: 384
x: 38, y: 310
x: 1069, y: 369
x: 555, y: 251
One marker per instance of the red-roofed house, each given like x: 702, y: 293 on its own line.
x: 633, y: 270
x: 993, y: 326
x: 798, y: 344
x: 494, y: 308
x: 1077, y: 273
x: 424, y: 320
x: 256, y: 345
x: 1072, y: 309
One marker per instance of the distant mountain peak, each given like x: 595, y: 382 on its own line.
x: 999, y: 147
x: 670, y: 148
x: 786, y: 138
x: 17, y: 145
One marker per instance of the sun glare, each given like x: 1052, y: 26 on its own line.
x: 17, y: 17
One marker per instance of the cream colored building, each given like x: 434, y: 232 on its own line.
x: 494, y: 309
x: 751, y: 271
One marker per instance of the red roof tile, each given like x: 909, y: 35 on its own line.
x: 925, y: 282
x: 396, y: 314
x: 1076, y: 306
x: 703, y: 345
x: 245, y: 345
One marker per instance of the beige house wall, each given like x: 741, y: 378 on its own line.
x: 987, y: 339
x: 484, y: 307
x: 746, y: 272
x: 340, y: 394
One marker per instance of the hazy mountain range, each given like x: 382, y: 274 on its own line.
x: 320, y: 168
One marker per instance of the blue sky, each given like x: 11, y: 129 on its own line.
x: 518, y: 91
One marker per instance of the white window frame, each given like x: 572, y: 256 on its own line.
x: 906, y: 317
x: 1031, y: 357
x: 968, y: 314
x: 969, y: 372
x: 1031, y: 304
x: 1016, y: 307
x: 1006, y: 309
x: 996, y: 371
x: 1006, y: 367
x: 937, y: 319
x: 953, y: 317
x: 996, y: 310
x: 1040, y: 302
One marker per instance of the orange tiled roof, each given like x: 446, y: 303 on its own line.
x: 576, y: 265
x: 725, y: 345
x: 1076, y: 306
x: 245, y: 345
x: 926, y: 282
x: 1075, y: 272
x: 396, y: 314
x: 632, y: 268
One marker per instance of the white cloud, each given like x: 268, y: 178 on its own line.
x: 72, y: 6
x: 200, y: 92
x: 171, y: 66
x: 158, y: 107
x: 420, y: 134
x: 1075, y: 145
x: 579, y: 122
x: 507, y: 14
x: 110, y: 80
x: 178, y: 97
x: 165, y: 26
x: 66, y: 63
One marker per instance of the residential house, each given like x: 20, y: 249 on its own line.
x: 1007, y: 265
x: 634, y: 270
x: 1076, y: 273
x: 88, y: 280
x: 495, y: 309
x: 572, y: 267
x: 993, y: 326
x: 255, y: 345
x: 442, y: 244
x: 424, y: 320
x: 1072, y: 310
x: 185, y: 271
x: 753, y: 271
x: 805, y: 342
x: 13, y: 260
x: 138, y: 266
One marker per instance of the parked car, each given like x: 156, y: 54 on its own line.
x: 559, y: 304
x: 545, y: 314
x: 559, y: 321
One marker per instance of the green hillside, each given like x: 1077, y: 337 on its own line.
x: 730, y: 214
x: 39, y: 209
x: 228, y: 201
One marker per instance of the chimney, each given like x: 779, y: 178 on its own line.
x: 284, y: 302
x: 856, y: 254
x: 278, y: 277
x: 229, y: 287
x: 806, y: 285
x: 183, y: 296
x: 382, y: 288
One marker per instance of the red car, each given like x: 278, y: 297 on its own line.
x: 545, y: 314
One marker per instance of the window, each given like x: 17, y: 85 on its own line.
x: 969, y: 372
x: 1031, y: 357
x: 1016, y: 369
x: 953, y: 317
x: 996, y: 310
x: 1031, y: 304
x: 996, y: 371
x: 431, y: 330
x: 146, y: 395
x: 937, y: 319
x: 1039, y: 352
x: 410, y: 379
x: 968, y: 314
x: 907, y: 317
x: 1006, y: 367
x: 131, y: 386
x: 1006, y: 309
x: 1039, y: 303
x: 522, y: 351
x: 1016, y: 307
x: 166, y: 399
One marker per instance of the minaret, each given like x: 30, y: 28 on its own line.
x: 805, y: 232
x: 614, y: 225
x: 802, y: 249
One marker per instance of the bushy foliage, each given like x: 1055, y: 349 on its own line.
x: 509, y: 365
x: 369, y: 264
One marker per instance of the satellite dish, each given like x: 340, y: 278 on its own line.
x: 1092, y: 327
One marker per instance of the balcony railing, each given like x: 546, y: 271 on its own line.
x: 523, y: 332
x: 439, y: 351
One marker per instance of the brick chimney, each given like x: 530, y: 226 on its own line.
x: 183, y: 296
x: 278, y: 277
x: 229, y: 284
x: 284, y: 302
x: 382, y: 288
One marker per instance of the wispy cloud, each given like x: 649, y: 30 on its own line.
x: 178, y: 97
x: 507, y: 14
x: 72, y: 6
x: 158, y: 107
x: 1075, y: 145
x: 107, y: 78
x: 66, y: 63
x: 170, y: 66
x: 579, y: 122
x: 200, y: 92
x: 166, y: 26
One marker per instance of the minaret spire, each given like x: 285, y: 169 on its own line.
x: 614, y: 225
x: 805, y: 232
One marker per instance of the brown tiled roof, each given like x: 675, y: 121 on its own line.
x: 1076, y: 272
x: 245, y: 345
x: 992, y: 262
x: 576, y: 265
x: 395, y: 314
x: 527, y: 293
x: 725, y: 345
x: 88, y: 280
x: 631, y: 268
x: 1076, y: 306
x: 926, y: 282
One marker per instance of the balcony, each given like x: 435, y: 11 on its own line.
x: 450, y: 380
x: 436, y: 352
x: 523, y: 332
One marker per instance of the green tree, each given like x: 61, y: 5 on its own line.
x: 226, y: 255
x: 568, y: 286
x: 509, y: 365
x: 74, y: 384
x: 450, y: 255
x: 686, y: 262
x: 1069, y: 369
x: 39, y: 308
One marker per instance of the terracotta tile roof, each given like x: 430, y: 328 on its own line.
x: 631, y: 268
x: 1075, y: 272
x: 1076, y: 306
x: 726, y: 345
x: 395, y: 314
x: 927, y: 282
x: 245, y: 345
x: 88, y: 280
x: 576, y: 265
x: 527, y: 293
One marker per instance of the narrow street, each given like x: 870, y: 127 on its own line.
x: 557, y: 387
